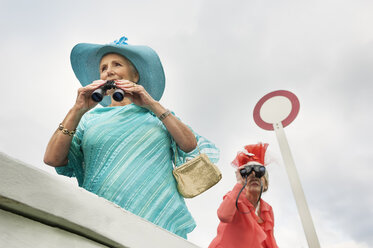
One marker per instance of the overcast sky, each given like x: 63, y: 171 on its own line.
x: 220, y: 58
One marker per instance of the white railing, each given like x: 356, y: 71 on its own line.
x: 42, y: 210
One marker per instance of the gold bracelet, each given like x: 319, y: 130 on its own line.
x: 164, y: 115
x: 65, y: 130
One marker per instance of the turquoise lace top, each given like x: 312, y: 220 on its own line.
x: 125, y: 155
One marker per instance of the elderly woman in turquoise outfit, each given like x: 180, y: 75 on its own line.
x: 124, y: 151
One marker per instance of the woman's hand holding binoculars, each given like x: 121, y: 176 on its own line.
x: 90, y: 95
x: 137, y: 94
x: 84, y: 100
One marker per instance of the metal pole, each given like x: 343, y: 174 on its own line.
x: 296, y: 187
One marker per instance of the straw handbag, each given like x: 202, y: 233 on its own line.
x: 196, y: 175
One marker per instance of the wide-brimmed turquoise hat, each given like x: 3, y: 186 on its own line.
x: 85, y: 60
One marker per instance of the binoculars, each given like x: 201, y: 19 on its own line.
x: 99, y: 94
x: 257, y: 168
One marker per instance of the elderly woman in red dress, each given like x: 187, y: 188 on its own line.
x: 246, y: 220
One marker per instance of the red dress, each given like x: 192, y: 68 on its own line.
x: 239, y: 230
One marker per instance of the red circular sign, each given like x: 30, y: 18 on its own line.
x: 294, y: 109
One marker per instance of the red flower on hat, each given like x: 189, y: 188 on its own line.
x: 255, y: 152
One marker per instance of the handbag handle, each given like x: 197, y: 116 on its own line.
x: 199, y: 152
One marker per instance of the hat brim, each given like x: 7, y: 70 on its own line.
x: 85, y: 60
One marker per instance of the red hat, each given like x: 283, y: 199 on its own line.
x: 251, y: 153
